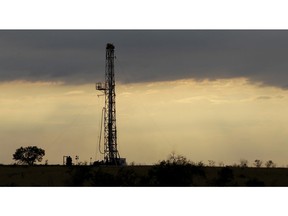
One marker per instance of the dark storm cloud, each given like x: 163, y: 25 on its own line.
x: 79, y: 56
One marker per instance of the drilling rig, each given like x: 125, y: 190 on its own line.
x: 111, y: 154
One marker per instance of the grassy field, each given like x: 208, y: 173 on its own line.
x: 141, y: 176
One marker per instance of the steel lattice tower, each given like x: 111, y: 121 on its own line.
x: 111, y: 154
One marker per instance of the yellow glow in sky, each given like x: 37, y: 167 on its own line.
x: 221, y: 120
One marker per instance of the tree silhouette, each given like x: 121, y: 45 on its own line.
x: 211, y: 163
x: 243, y: 163
x: 270, y: 164
x: 177, y: 159
x: 258, y: 163
x: 221, y: 164
x: 28, y: 155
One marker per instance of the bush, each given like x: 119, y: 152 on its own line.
x: 225, y: 177
x: 101, y: 178
x: 80, y: 175
x: 175, y: 171
x: 270, y: 164
x: 258, y: 163
x: 243, y: 163
x: 128, y: 177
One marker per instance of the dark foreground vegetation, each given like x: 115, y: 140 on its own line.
x: 175, y: 171
x: 163, y: 174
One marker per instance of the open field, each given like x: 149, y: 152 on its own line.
x: 141, y: 176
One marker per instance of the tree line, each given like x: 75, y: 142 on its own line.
x: 32, y: 154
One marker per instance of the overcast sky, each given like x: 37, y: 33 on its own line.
x: 78, y: 57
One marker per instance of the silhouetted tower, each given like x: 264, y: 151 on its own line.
x: 111, y: 154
